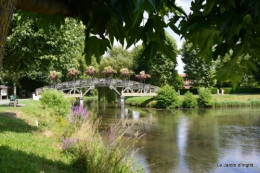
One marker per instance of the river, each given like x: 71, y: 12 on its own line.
x: 223, y: 140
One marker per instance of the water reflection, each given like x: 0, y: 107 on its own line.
x: 202, y: 145
x: 197, y: 140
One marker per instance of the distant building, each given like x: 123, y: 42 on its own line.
x: 3, y: 92
x: 187, y: 82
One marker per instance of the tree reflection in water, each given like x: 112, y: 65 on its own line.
x: 193, y: 140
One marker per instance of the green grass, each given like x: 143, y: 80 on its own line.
x: 141, y: 101
x: 24, y: 147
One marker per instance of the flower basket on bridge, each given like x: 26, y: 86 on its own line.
x: 125, y: 73
x: 142, y: 76
x: 54, y: 76
x: 90, y: 71
x: 109, y: 71
x: 72, y: 72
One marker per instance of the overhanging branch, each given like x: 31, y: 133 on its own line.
x: 45, y: 7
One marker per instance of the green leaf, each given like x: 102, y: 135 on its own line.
x: 209, y: 6
x: 134, y: 35
x: 168, y: 51
x: 115, y: 29
x: 255, y: 52
x: 150, y: 51
x: 97, y: 47
x: 138, y: 5
x: 152, y: 2
x: 231, y: 24
x: 137, y: 18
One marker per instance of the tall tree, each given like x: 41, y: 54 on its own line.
x: 161, y: 67
x: 32, y: 53
x: 117, y: 58
x: 197, y: 70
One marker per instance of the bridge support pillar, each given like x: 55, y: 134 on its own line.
x: 121, y: 101
x: 81, y: 102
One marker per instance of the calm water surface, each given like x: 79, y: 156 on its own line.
x: 200, y: 140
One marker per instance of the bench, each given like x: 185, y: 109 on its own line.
x: 13, y: 100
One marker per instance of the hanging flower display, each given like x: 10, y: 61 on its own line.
x: 142, y: 76
x: 125, y: 72
x: 72, y: 72
x: 108, y: 71
x: 54, y: 75
x: 90, y: 71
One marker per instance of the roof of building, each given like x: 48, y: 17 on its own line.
x: 3, y: 86
x: 182, y: 75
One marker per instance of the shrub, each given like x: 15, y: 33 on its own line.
x: 189, y: 100
x: 205, y: 97
x: 56, y: 102
x: 214, y: 90
x: 167, y: 97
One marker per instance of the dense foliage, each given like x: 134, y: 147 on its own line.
x: 189, y: 100
x: 217, y: 27
x: 161, y: 67
x: 167, y: 97
x: 32, y: 53
x: 109, y: 21
x: 197, y: 70
x: 205, y: 97
x: 56, y: 102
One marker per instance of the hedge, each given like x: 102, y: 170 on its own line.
x: 242, y: 91
x: 194, y: 91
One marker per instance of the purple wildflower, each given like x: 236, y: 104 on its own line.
x: 79, y: 113
x: 68, y: 143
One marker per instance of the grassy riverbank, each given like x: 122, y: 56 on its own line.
x: 35, y: 140
x: 229, y: 100
x: 24, y: 147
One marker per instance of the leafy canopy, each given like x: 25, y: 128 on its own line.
x: 127, y: 21
x: 218, y: 26
x: 215, y: 26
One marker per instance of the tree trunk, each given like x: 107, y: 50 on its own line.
x: 6, y: 13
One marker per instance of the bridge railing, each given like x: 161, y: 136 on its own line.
x: 130, y: 86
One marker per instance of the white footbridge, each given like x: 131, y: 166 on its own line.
x: 80, y: 88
